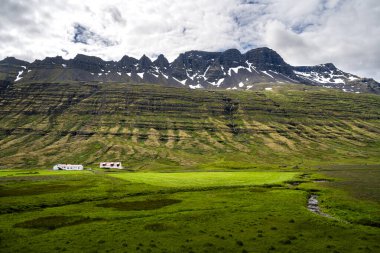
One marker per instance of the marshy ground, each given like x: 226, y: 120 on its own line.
x: 255, y: 210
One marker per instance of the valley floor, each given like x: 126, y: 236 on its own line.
x: 263, y: 210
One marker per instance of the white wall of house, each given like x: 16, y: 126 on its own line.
x: 68, y: 167
x: 110, y: 165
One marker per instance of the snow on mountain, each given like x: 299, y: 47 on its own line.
x: 229, y: 70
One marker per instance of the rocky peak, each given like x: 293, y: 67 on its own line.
x: 161, y: 62
x: 263, y: 57
x: 329, y: 66
x: 178, y: 68
x: 267, y: 59
x: 14, y: 61
x: 197, y: 62
x: 88, y: 63
x: 49, y: 62
x: 324, y: 69
x: 88, y: 59
x: 127, y: 64
x: 127, y: 61
x: 232, y: 58
x: 144, y: 63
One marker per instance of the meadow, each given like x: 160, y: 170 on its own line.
x: 261, y: 210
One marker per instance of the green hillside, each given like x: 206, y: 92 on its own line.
x: 154, y: 127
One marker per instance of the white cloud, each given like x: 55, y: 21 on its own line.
x: 345, y: 32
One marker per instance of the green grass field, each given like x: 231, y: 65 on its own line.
x: 207, y: 179
x: 258, y: 211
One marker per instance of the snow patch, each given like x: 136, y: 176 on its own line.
x: 268, y: 89
x: 189, y: 76
x: 18, y: 78
x: 167, y: 77
x: 183, y: 81
x: 198, y: 86
x: 236, y: 70
x: 339, y: 80
x: 64, y: 65
x: 218, y: 83
x: 266, y: 73
x: 302, y: 73
x: 141, y: 75
x: 249, y: 66
x: 204, y: 74
x: 352, y: 78
x: 119, y: 73
x: 241, y: 84
x: 254, y: 68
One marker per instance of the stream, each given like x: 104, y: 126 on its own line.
x: 312, y: 205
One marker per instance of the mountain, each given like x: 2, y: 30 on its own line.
x: 149, y: 126
x: 193, y: 69
x: 160, y: 114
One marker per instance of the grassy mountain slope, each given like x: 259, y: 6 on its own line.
x: 154, y: 127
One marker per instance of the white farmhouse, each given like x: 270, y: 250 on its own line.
x: 68, y: 167
x: 111, y: 165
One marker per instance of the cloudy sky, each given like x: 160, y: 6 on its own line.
x: 307, y: 32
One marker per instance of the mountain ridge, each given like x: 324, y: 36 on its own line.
x: 194, y: 69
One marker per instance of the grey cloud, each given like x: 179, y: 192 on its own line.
x: 85, y: 36
x: 116, y: 15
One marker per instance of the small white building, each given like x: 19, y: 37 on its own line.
x: 111, y: 165
x: 68, y: 167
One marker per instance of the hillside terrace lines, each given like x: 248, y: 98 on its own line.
x: 313, y: 131
x: 135, y: 120
x: 155, y: 104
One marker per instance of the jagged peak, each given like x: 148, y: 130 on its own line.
x: 14, y: 61
x: 145, y: 58
x: 144, y: 63
x: 329, y: 66
x: 127, y: 61
x: 263, y: 51
x: 161, y: 61
x: 231, y: 51
x: 87, y: 58
x: 197, y: 54
x: 264, y: 54
x: 53, y: 59
x: 126, y: 57
x: 232, y: 56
